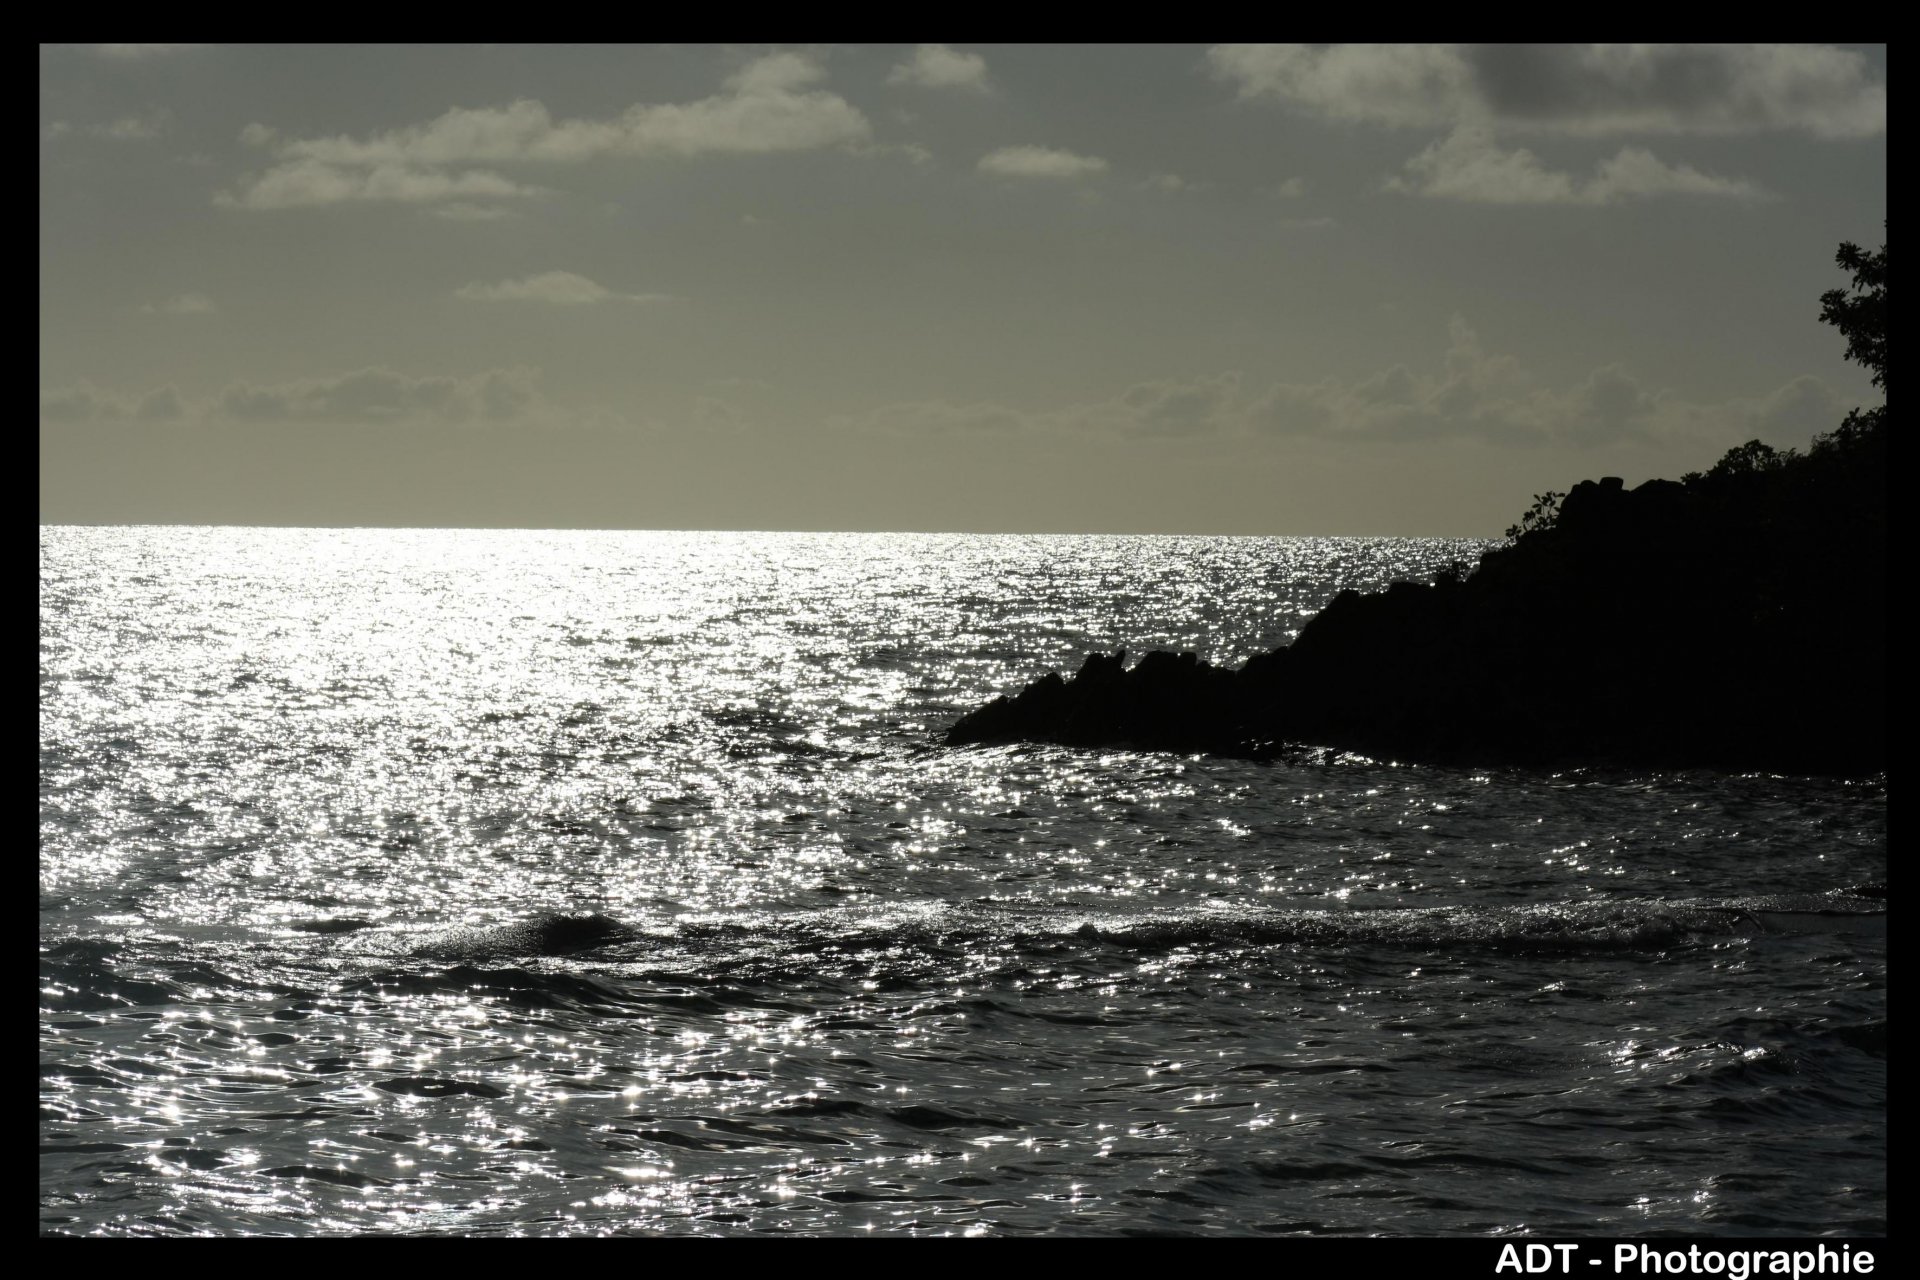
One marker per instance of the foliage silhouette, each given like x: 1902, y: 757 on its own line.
x: 1861, y: 313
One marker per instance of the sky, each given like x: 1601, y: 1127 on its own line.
x: 1275, y: 289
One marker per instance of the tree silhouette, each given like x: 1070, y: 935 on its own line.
x: 1861, y: 314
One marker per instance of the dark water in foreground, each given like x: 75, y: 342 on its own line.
x: 290, y: 779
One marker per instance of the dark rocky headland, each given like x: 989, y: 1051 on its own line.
x: 1735, y: 619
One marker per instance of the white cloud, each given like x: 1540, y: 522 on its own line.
x: 1408, y: 85
x: 1587, y: 90
x: 1039, y: 162
x: 311, y: 182
x: 764, y: 107
x: 1468, y: 165
x: 558, y: 288
x: 936, y: 66
x: 1635, y: 172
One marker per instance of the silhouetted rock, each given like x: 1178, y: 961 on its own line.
x: 1734, y: 620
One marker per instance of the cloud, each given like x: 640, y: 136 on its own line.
x: 1477, y: 395
x: 935, y: 66
x: 82, y: 403
x: 366, y: 397
x: 936, y: 417
x: 139, y: 52
x: 1468, y: 165
x: 309, y: 182
x: 558, y: 288
x: 764, y: 107
x: 1166, y: 408
x: 181, y: 304
x: 1586, y: 90
x: 87, y: 403
x: 137, y: 128
x: 142, y: 127
x: 1798, y: 411
x: 912, y: 152
x: 1491, y: 398
x: 1169, y: 407
x: 1473, y: 395
x: 1039, y: 162
x: 461, y: 211
x: 380, y: 395
x: 163, y: 405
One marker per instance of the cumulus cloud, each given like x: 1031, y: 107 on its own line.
x: 557, y: 288
x: 936, y: 66
x: 1589, y: 90
x: 1469, y: 165
x: 309, y: 182
x: 1039, y: 162
x: 766, y: 106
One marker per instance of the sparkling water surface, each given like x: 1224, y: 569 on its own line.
x: 290, y: 779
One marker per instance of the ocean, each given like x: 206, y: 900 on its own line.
x: 309, y: 800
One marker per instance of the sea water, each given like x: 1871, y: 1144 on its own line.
x: 298, y: 786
